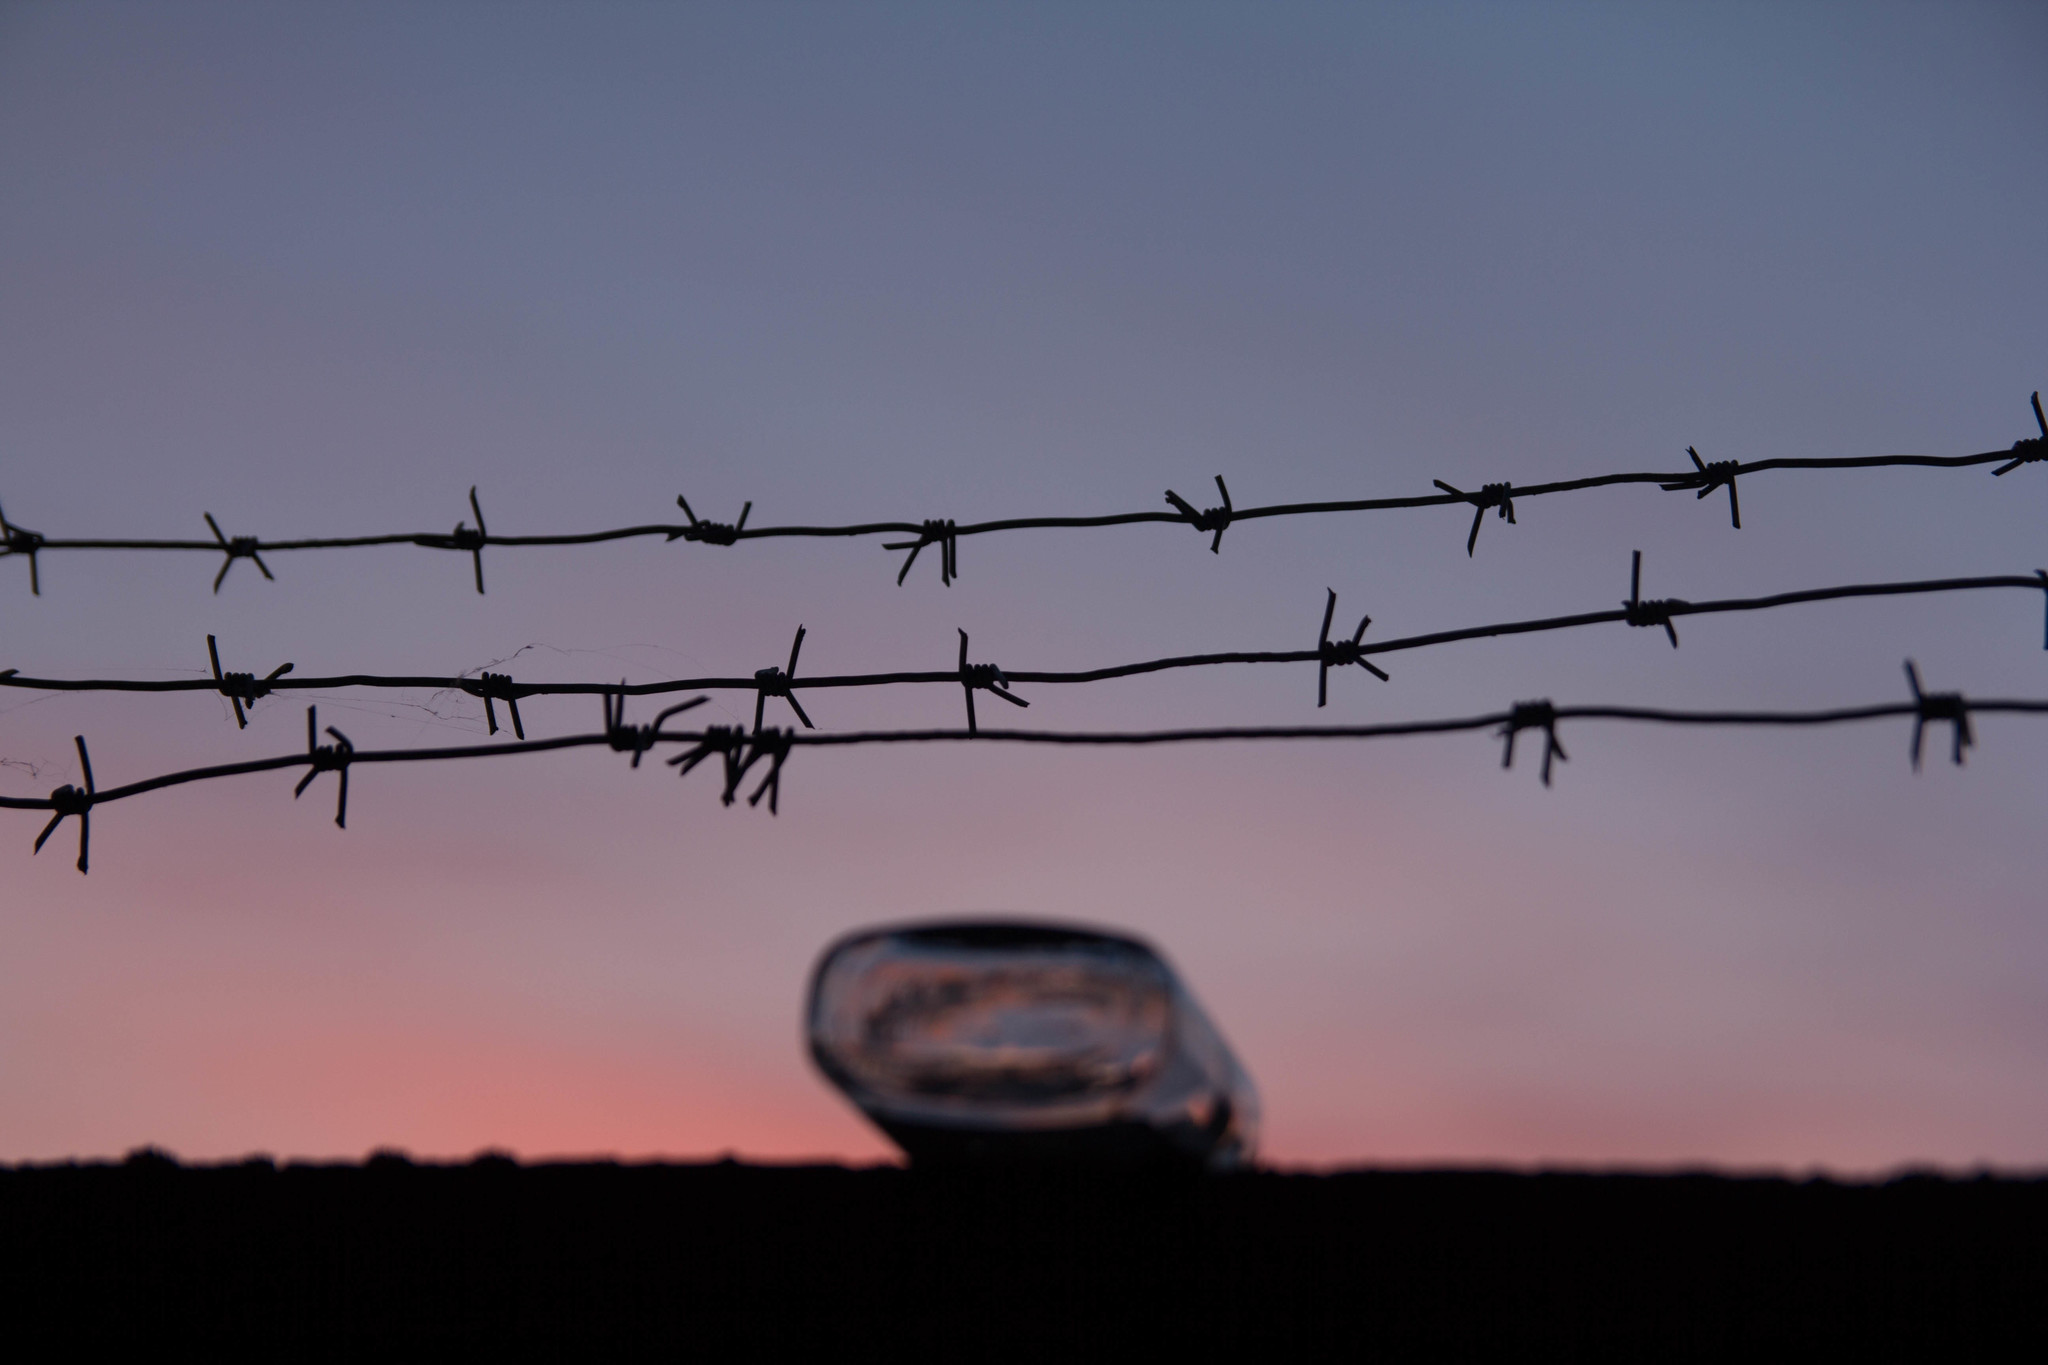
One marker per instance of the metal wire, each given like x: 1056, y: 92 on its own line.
x: 742, y: 751
x: 1702, y: 479
x: 243, y: 689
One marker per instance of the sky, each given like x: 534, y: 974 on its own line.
x: 319, y: 269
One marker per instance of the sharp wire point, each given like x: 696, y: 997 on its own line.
x: 19, y: 540
x: 2043, y: 573
x: 1939, y: 706
x: 2031, y: 448
x: 1337, y: 653
x: 942, y: 533
x: 69, y: 800
x: 1656, y: 612
x: 232, y: 548
x: 1215, y: 520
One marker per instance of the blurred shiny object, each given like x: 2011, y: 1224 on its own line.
x: 1014, y: 1041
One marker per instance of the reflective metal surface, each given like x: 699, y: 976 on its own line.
x: 1011, y: 1040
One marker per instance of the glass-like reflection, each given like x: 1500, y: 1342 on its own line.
x: 1018, y: 1041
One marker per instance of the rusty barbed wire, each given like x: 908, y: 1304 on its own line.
x: 742, y: 751
x: 1704, y: 478
x: 243, y: 689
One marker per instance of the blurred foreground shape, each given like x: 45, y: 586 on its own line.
x: 1023, y: 1042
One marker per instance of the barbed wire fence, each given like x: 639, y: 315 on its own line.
x: 1703, y: 479
x: 741, y: 750
x: 245, y: 689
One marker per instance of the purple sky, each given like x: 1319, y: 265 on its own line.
x: 317, y: 270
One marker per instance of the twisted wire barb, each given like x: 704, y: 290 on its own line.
x: 777, y: 682
x: 1721, y: 474
x: 1216, y: 519
x: 1533, y: 715
x: 743, y: 751
x: 635, y: 739
x: 2029, y: 450
x: 462, y: 538
x: 19, y: 540
x: 985, y: 676
x: 1497, y: 497
x: 770, y: 744
x: 497, y: 687
x: 233, y: 548
x: 727, y: 742
x: 1702, y: 479
x: 70, y: 800
x: 326, y: 758
x: 1657, y: 612
x: 240, y: 688
x: 1938, y: 706
x: 709, y: 532
x: 940, y: 533
x: 1336, y: 653
x: 1635, y: 610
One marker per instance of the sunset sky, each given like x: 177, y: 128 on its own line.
x: 318, y: 269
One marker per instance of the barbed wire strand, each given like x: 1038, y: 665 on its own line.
x: 244, y: 689
x: 1703, y: 479
x: 742, y: 751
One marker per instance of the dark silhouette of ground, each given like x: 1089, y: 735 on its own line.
x: 729, y: 1261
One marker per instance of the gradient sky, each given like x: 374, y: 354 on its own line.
x: 318, y: 269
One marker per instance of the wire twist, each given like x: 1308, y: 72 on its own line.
x: 775, y: 682
x: 499, y: 687
x: 69, y: 800
x: 1655, y: 611
x: 1500, y: 497
x: 726, y: 741
x: 710, y: 532
x: 1215, y: 519
x: 637, y: 739
x: 234, y: 548
x: 943, y: 534
x: 772, y: 745
x: 1719, y: 474
x: 1337, y: 653
x: 2028, y: 449
x: 19, y: 540
x: 1533, y: 715
x: 1939, y: 706
x: 2042, y: 574
x: 984, y: 676
x: 241, y: 688
x: 326, y: 758
x: 464, y: 538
